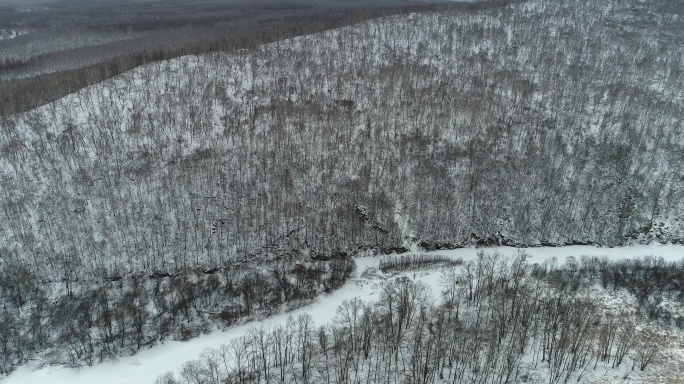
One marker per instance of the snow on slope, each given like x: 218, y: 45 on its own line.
x: 120, y: 153
x: 147, y: 365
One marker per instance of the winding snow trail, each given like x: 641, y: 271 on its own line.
x: 147, y: 365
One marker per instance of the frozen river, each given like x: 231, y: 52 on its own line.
x: 147, y: 365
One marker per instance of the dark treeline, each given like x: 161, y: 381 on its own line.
x: 500, y: 320
x: 405, y: 262
x: 75, y: 322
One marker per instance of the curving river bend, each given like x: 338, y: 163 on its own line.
x: 147, y: 365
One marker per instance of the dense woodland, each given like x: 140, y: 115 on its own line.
x: 500, y: 320
x: 436, y: 129
x: 543, y: 122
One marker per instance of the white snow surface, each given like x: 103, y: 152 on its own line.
x: 147, y: 365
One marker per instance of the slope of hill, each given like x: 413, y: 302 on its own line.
x: 70, y: 44
x: 510, y: 124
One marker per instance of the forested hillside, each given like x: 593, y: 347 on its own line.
x: 544, y: 122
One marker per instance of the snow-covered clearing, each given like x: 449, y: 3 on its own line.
x: 147, y: 365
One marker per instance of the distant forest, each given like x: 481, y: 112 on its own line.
x: 525, y: 124
x: 68, y: 45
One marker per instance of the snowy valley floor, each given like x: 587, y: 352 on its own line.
x: 147, y: 365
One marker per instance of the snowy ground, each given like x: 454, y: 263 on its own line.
x: 146, y: 366
x: 7, y: 34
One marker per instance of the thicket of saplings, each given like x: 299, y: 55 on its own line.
x: 500, y: 320
x: 77, y: 322
x: 415, y: 261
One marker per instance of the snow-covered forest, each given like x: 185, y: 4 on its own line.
x: 499, y: 320
x: 204, y: 191
x: 506, y: 124
x: 630, y: 296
